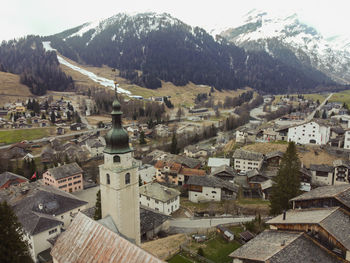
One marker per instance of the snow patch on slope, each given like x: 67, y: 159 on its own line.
x: 102, y: 81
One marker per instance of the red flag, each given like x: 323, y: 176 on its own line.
x: 33, y: 177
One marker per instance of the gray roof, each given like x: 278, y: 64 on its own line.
x: 340, y: 162
x: 224, y: 169
x: 274, y: 154
x: 324, y: 192
x: 215, y: 162
x: 27, y: 199
x: 66, y: 170
x: 211, y: 181
x: 321, y: 168
x: 158, y: 192
x: 283, y: 247
x: 94, y: 143
x: 6, y: 176
x: 151, y: 219
x: 247, y: 155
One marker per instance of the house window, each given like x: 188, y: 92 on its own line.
x: 148, y: 198
x: 108, y: 179
x: 52, y: 231
x: 157, y: 202
x: 116, y: 159
x: 213, y: 192
x: 127, y: 178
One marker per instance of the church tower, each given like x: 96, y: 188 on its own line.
x: 118, y: 180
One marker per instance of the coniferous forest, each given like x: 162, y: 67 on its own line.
x: 39, y: 70
x: 177, y: 53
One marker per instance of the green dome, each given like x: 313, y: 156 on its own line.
x: 117, y: 139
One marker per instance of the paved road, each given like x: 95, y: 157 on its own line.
x: 206, y: 222
x: 312, y: 114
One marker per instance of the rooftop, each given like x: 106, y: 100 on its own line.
x: 321, y: 168
x: 325, y: 192
x: 66, y: 170
x: 7, y: 176
x: 151, y: 219
x: 212, y: 181
x: 283, y: 247
x: 158, y: 192
x: 215, y: 162
x: 247, y: 155
x: 88, y: 241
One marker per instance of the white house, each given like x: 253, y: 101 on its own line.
x: 43, y: 212
x: 311, y: 132
x: 246, y: 160
x: 214, y: 163
x: 147, y: 173
x: 322, y: 174
x: 347, y: 139
x: 160, y: 198
x: 210, y: 188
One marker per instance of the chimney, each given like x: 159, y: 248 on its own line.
x: 283, y: 243
x: 284, y: 214
x: 41, y: 206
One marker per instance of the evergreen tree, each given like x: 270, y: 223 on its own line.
x: 317, y: 114
x: 287, y: 181
x: 324, y: 114
x: 173, y: 147
x: 43, y: 116
x: 98, y: 210
x: 13, y: 249
x: 53, y: 117
x: 142, y: 138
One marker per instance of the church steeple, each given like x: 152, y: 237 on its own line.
x: 117, y: 139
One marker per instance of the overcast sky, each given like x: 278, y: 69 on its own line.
x: 45, y: 17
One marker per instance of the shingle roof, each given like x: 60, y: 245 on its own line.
x: 66, y: 170
x: 6, y: 176
x: 224, y: 168
x: 274, y: 154
x: 340, y: 162
x: 36, y: 205
x: 247, y: 155
x: 324, y: 192
x: 87, y: 241
x: 151, y: 219
x: 321, y: 168
x: 283, y: 247
x: 158, y: 192
x: 212, y: 181
x: 192, y: 172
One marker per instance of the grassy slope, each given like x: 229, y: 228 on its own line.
x: 180, y: 95
x: 313, y: 96
x: 12, y: 136
x: 343, y: 96
x: 11, y: 89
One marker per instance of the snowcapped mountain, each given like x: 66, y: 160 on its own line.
x: 287, y: 38
x: 150, y: 47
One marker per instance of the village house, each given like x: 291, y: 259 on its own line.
x: 67, y: 178
x: 162, y: 130
x: 273, y: 159
x: 341, y: 172
x: 8, y: 179
x: 246, y: 160
x: 146, y: 173
x: 95, y: 147
x: 225, y: 172
x: 210, y: 188
x: 325, y: 196
x: 215, y: 163
x: 270, y: 135
x: 152, y: 223
x: 245, y: 134
x: 347, y: 139
x: 195, y: 151
x: 159, y: 198
x: 322, y: 174
x: 43, y: 212
x: 311, y: 132
x: 97, y: 241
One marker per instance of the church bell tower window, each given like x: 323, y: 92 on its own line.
x: 108, y: 179
x: 116, y: 159
x: 127, y: 178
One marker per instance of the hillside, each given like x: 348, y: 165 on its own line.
x: 11, y: 89
x: 150, y: 48
x: 287, y: 39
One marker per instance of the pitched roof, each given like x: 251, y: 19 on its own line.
x: 215, y: 162
x: 224, y: 168
x: 274, y: 154
x: 151, y: 219
x: 211, y: 181
x: 158, y: 192
x: 340, y: 162
x: 7, y: 176
x: 192, y: 172
x: 247, y: 155
x: 337, y: 191
x: 283, y: 247
x: 321, y: 168
x: 36, y: 205
x: 175, y: 167
x: 87, y: 241
x: 66, y: 170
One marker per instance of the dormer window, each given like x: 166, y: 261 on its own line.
x: 116, y: 159
x: 108, y: 181
x: 127, y: 178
